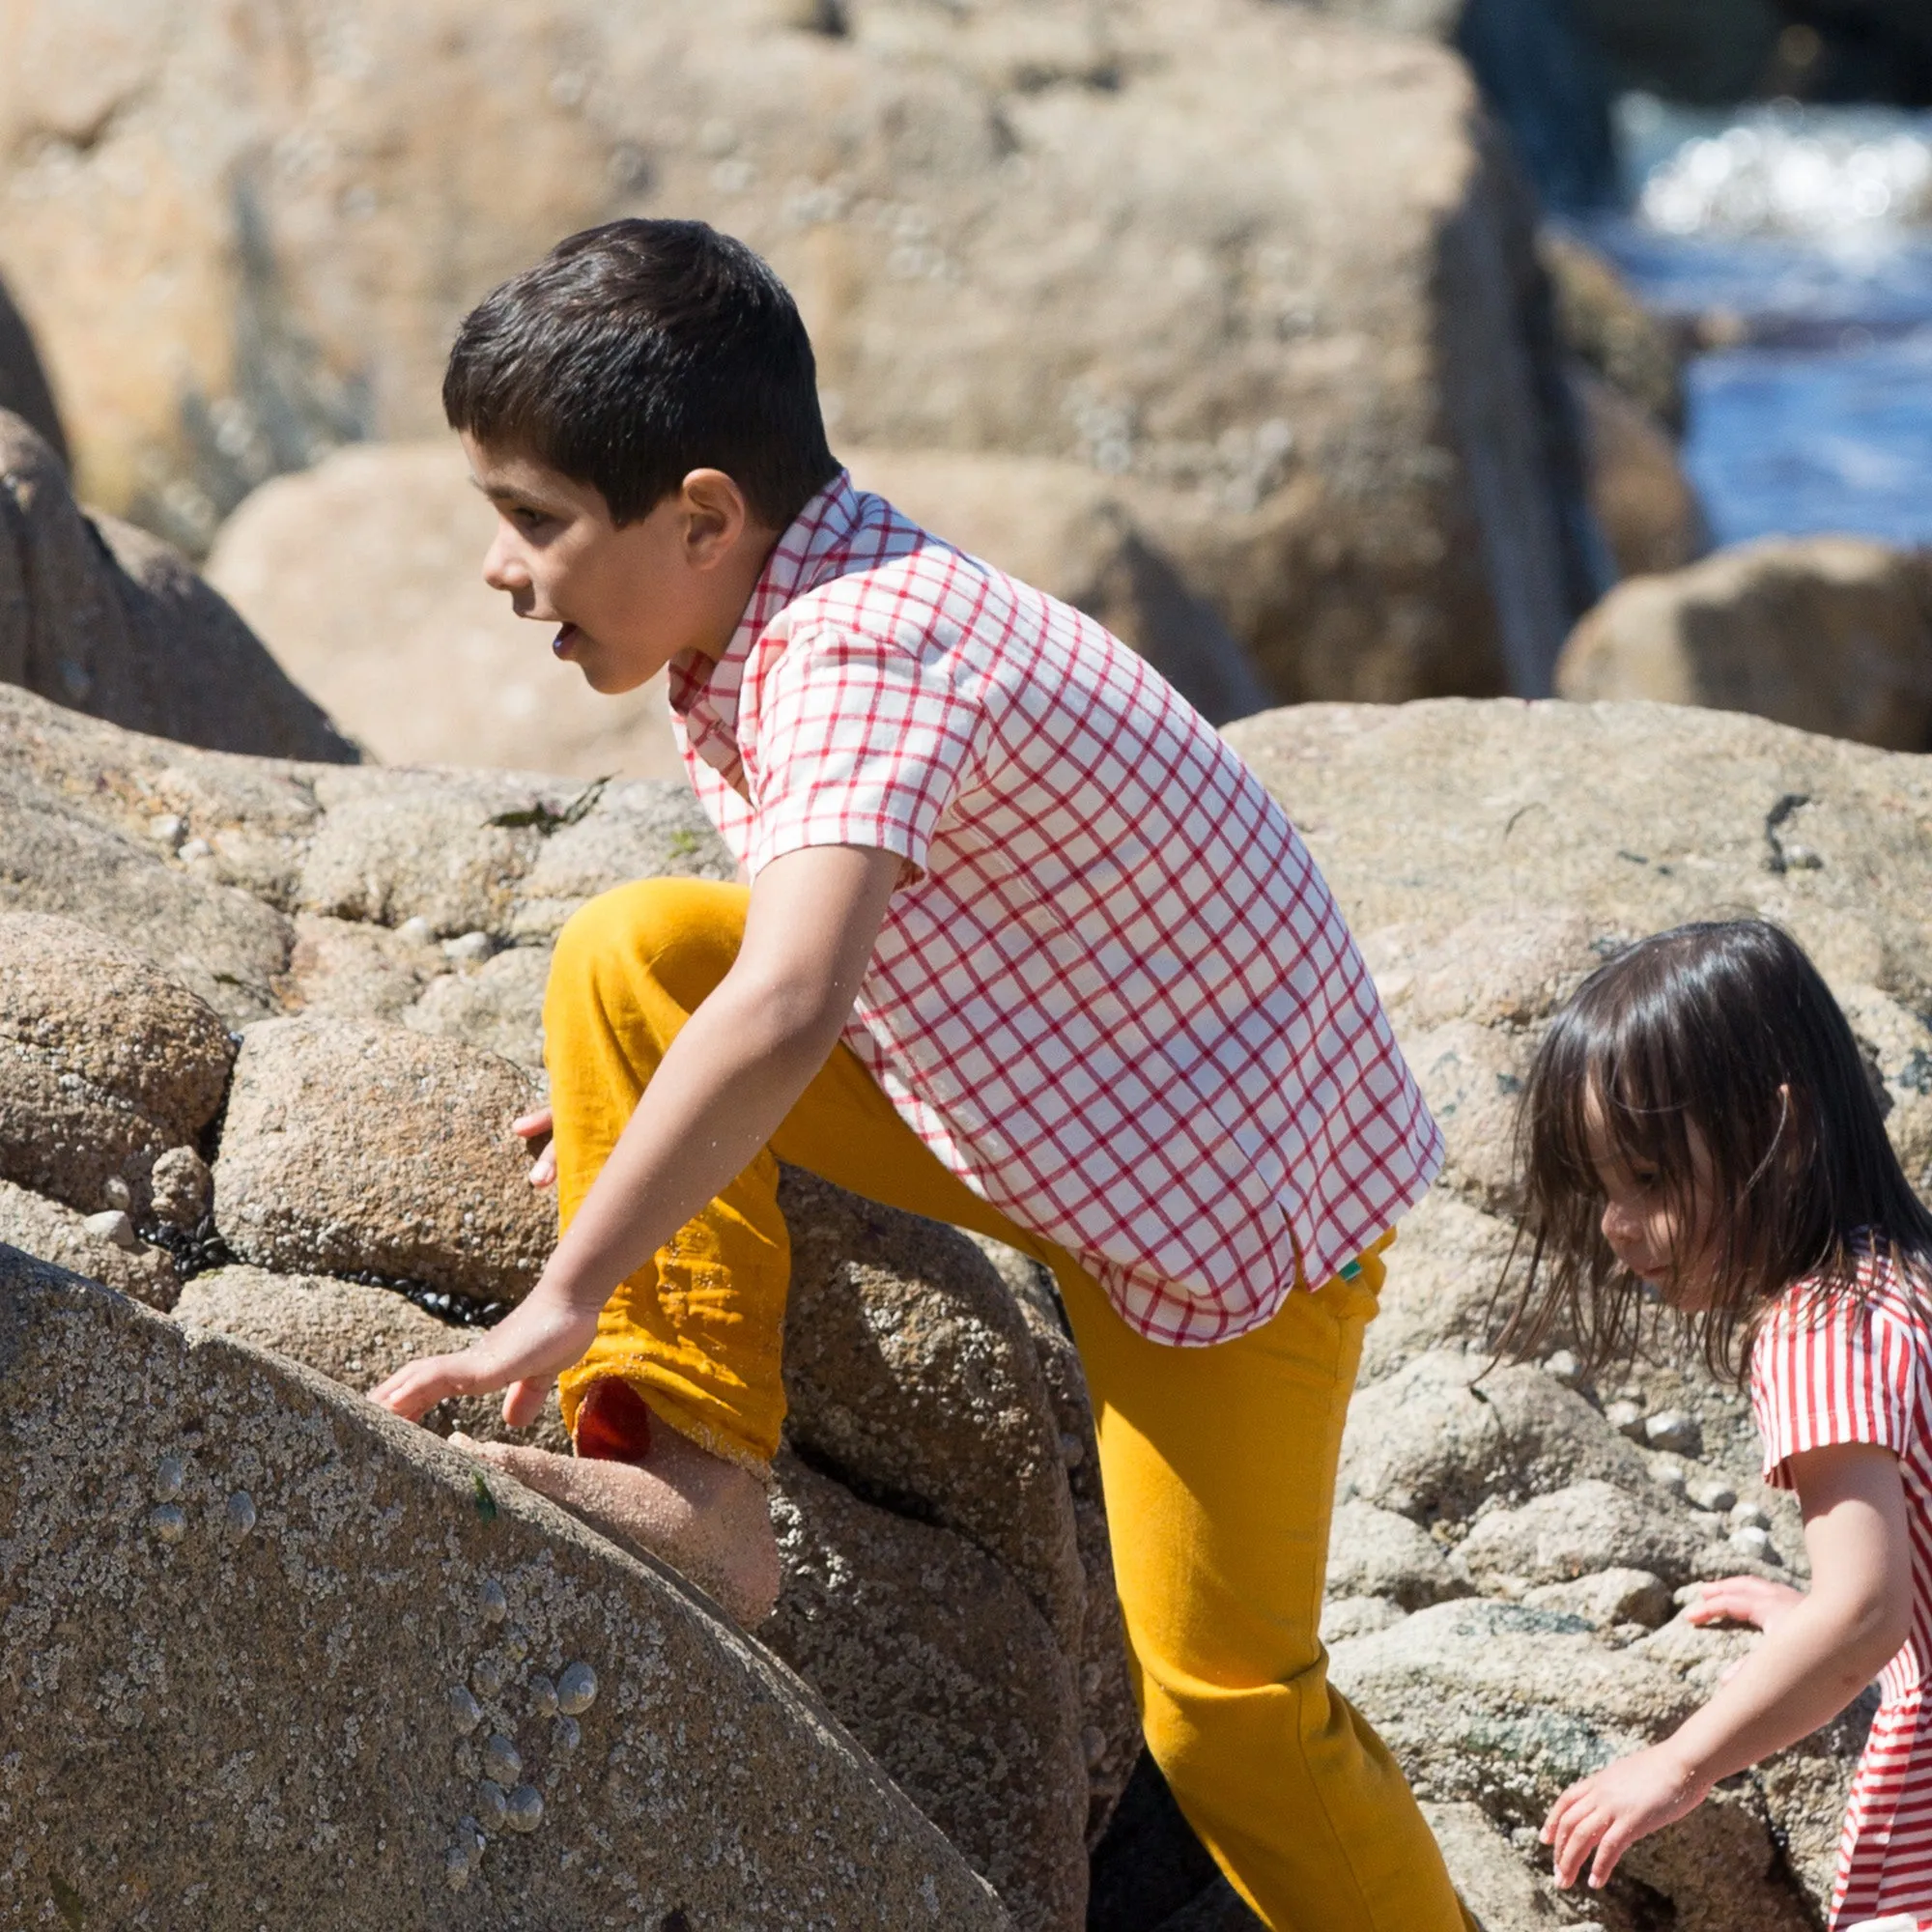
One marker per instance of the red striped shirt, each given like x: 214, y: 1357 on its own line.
x: 1831, y: 1370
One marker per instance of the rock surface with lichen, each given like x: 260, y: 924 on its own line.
x: 367, y: 1201
x: 1513, y: 1547
x: 269, y: 1657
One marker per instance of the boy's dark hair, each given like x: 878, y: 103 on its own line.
x: 1719, y: 1042
x: 638, y: 352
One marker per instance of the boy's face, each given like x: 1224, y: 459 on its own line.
x: 624, y: 599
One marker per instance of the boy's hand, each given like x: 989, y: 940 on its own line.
x: 531, y: 1126
x: 1611, y: 1809
x: 523, y: 1355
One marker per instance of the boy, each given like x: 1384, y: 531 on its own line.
x: 1025, y: 949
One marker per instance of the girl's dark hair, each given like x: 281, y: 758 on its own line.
x: 1722, y: 1038
x: 638, y: 352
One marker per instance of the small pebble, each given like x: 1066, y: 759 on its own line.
x: 456, y: 1863
x: 1072, y: 1450
x: 165, y: 828
x: 1095, y: 1742
x: 1675, y: 1429
x: 196, y: 848
x: 523, y: 1809
x: 112, y: 1224
x: 491, y: 1603
x: 1668, y: 1471
x: 491, y: 1808
x: 577, y: 1690
x: 415, y: 930
x: 469, y: 949
x: 239, y: 1512
x: 1755, y: 1544
x: 169, y: 1522
x: 464, y: 1711
x: 500, y: 1762
x: 1090, y: 1680
x: 515, y: 1645
x: 1626, y: 1418
x: 543, y: 1698
x: 487, y: 1674
x: 565, y: 1735
x: 1564, y: 1367
x: 116, y: 1193
x: 169, y: 1476
x: 1708, y: 1493
x: 1748, y: 1516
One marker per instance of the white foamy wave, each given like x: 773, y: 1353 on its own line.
x: 1818, y: 173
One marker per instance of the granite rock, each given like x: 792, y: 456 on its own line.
x: 910, y: 1373
x: 1375, y: 1552
x: 1449, y: 1432
x: 1312, y: 309
x: 1582, y: 1530
x: 23, y: 381
x: 107, y: 619
x: 931, y: 1655
x: 355, y: 1335
x: 52, y: 1232
x: 108, y: 1063
x: 351, y: 1146
x: 1831, y: 634
x: 313, y: 1617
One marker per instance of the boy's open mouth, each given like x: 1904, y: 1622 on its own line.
x: 560, y: 643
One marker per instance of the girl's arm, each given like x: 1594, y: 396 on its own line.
x: 1814, y: 1659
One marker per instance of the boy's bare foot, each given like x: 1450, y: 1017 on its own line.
x: 705, y: 1516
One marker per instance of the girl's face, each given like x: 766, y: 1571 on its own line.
x: 1649, y: 1232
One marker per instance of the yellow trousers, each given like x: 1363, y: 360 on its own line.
x: 1218, y: 1463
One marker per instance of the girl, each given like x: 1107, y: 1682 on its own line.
x: 1699, y: 1124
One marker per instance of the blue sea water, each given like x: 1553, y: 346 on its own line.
x: 1801, y: 240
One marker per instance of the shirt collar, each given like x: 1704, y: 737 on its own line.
x: 814, y: 549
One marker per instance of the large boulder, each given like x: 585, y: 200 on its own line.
x: 352, y: 1148
x: 105, y: 617
x: 1071, y: 531
x: 216, y: 869
x: 104, y: 1246
x: 1645, y: 503
x: 1500, y: 1631
x: 354, y: 1334
x: 23, y: 381
x: 939, y: 1665
x: 268, y: 1656
x: 1227, y: 250
x: 1829, y: 634
x: 1502, y: 1706
x: 106, y: 1064
x: 906, y: 1362
x: 410, y: 651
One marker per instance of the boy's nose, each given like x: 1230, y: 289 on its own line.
x: 502, y: 568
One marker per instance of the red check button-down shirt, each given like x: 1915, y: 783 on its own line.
x: 1113, y: 993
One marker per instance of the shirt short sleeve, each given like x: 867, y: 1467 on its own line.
x: 856, y: 741
x: 1831, y: 1372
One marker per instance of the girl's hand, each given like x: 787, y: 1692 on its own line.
x: 531, y: 1126
x: 1744, y: 1600
x: 1611, y: 1809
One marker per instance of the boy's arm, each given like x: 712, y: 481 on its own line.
x: 1814, y: 1659
x: 721, y: 1090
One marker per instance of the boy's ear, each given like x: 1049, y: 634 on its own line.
x: 717, y: 516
